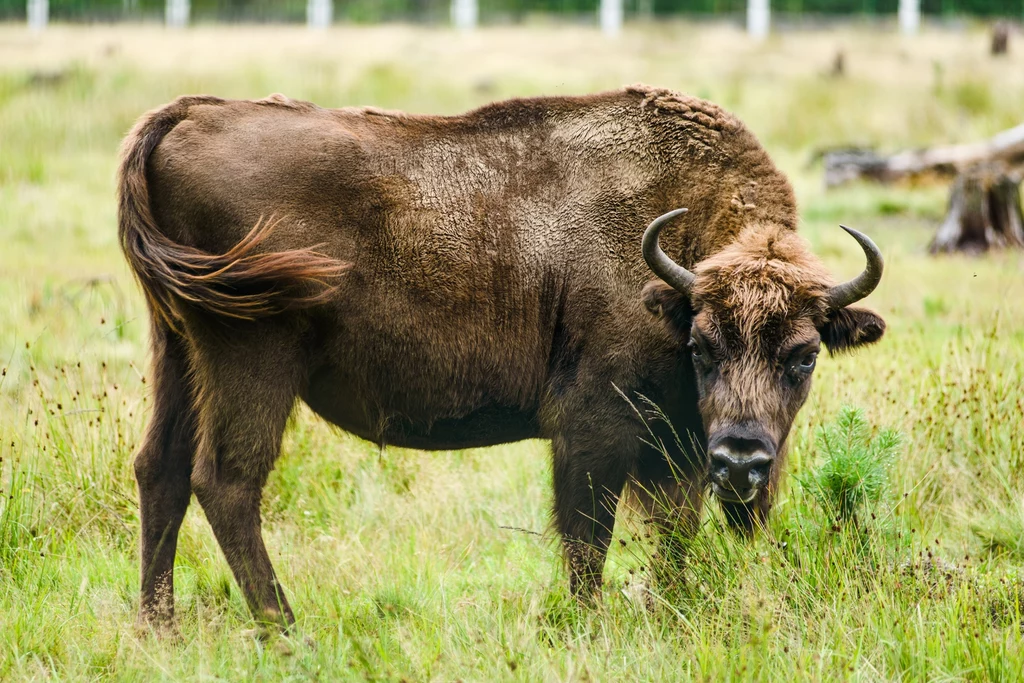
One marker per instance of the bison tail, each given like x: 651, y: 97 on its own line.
x: 244, y: 283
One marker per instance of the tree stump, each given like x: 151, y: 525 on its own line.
x: 838, y: 65
x: 1000, y: 38
x: 984, y: 211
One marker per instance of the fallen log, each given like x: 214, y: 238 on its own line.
x: 845, y: 165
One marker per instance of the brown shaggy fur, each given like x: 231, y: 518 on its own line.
x: 448, y: 282
x: 240, y: 283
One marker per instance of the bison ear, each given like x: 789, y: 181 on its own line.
x: 851, y: 327
x: 671, y: 306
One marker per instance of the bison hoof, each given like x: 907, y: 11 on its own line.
x: 278, y: 640
x: 638, y: 592
x: 162, y: 627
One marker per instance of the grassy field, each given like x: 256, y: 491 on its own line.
x: 439, y: 566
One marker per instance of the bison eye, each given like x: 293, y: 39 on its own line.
x: 807, y: 362
x: 698, y: 354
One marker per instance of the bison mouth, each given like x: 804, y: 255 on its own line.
x: 731, y: 495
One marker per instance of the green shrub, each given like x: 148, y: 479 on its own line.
x: 855, y: 471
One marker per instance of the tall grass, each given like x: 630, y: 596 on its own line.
x: 879, y: 563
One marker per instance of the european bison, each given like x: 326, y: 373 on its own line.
x: 450, y: 282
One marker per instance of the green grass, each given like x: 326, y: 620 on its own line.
x: 440, y: 566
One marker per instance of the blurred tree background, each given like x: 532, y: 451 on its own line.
x: 491, y: 11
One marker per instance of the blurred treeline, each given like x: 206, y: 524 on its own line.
x: 491, y: 11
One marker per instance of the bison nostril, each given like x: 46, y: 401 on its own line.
x: 759, y: 475
x: 720, y: 475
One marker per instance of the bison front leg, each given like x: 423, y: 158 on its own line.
x: 669, y: 490
x: 672, y: 505
x: 588, y: 482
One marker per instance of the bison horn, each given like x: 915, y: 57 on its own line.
x: 672, y: 273
x: 841, y: 296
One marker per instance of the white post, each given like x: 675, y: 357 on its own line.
x: 758, y: 18
x: 464, y: 14
x: 910, y: 16
x: 38, y: 12
x: 611, y: 17
x: 176, y: 13
x: 319, y: 13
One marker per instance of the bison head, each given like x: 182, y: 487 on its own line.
x: 754, y: 316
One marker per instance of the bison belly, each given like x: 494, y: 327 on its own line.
x: 429, y: 379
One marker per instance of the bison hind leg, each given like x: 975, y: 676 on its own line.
x: 163, y: 466
x: 247, y: 385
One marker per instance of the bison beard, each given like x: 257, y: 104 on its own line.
x: 450, y: 282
